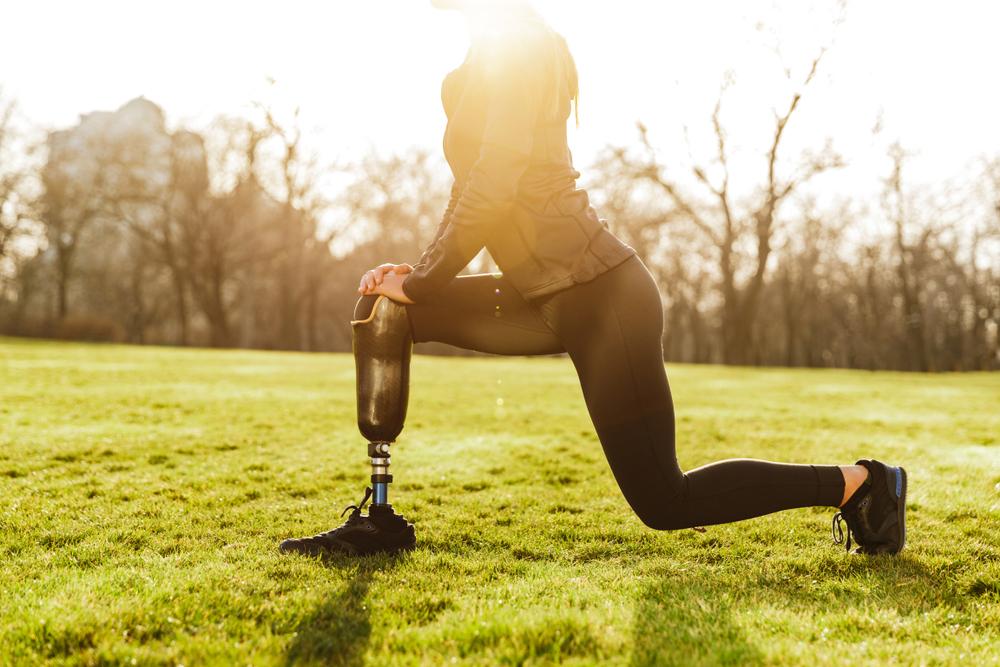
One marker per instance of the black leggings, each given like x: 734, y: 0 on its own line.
x: 612, y: 329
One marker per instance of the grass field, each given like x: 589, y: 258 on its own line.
x: 143, y: 493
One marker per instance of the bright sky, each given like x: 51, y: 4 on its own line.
x: 368, y: 72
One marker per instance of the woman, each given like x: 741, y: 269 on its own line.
x: 569, y: 285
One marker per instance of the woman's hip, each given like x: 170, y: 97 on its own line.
x: 625, y: 295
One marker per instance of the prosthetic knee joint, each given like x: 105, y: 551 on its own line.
x: 382, y: 345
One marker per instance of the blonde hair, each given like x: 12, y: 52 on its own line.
x: 566, y: 71
x: 564, y: 75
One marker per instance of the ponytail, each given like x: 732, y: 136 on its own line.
x: 565, y: 78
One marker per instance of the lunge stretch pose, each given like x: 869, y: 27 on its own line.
x: 568, y: 285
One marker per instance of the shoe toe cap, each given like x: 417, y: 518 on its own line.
x: 289, y: 545
x: 300, y: 546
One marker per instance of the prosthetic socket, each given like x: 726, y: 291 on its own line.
x: 382, y: 345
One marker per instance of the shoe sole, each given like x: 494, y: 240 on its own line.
x: 344, y: 548
x: 351, y: 550
x: 408, y: 544
x: 897, y: 488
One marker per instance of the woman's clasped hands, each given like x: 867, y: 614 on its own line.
x: 386, y: 279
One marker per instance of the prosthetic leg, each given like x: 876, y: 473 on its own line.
x: 382, y: 345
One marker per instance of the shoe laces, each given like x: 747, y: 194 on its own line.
x: 838, y: 530
x: 357, y: 508
x: 352, y: 520
x: 857, y: 527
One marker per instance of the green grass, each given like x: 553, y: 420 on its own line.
x: 143, y: 492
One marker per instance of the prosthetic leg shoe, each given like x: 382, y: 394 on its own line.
x: 382, y: 345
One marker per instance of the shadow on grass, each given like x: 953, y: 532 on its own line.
x: 688, y: 620
x: 338, y: 630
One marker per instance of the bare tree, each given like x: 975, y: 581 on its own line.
x: 674, y: 254
x: 18, y: 228
x: 913, y: 246
x: 729, y: 229
x: 71, y: 202
x: 980, y: 274
x: 392, y: 204
x: 15, y: 212
x: 221, y: 240
x: 162, y: 212
x: 302, y: 255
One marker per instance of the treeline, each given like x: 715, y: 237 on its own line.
x: 130, y: 232
x: 908, y: 282
x: 120, y: 229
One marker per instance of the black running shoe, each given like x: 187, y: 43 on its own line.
x: 382, y: 531
x: 876, y: 513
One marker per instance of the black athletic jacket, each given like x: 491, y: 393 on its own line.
x: 515, y: 186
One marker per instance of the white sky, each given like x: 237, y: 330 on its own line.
x: 368, y: 72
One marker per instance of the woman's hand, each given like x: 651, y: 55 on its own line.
x: 386, y: 279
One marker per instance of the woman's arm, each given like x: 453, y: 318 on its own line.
x: 512, y: 70
x: 387, y: 278
x: 445, y: 221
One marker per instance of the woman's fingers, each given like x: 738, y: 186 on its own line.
x: 374, y: 277
x: 389, y: 267
x: 367, y: 282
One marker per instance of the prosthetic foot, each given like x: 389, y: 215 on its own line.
x: 382, y: 531
x: 382, y: 347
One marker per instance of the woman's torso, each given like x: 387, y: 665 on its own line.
x: 554, y: 237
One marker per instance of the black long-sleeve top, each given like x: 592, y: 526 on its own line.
x: 515, y: 186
